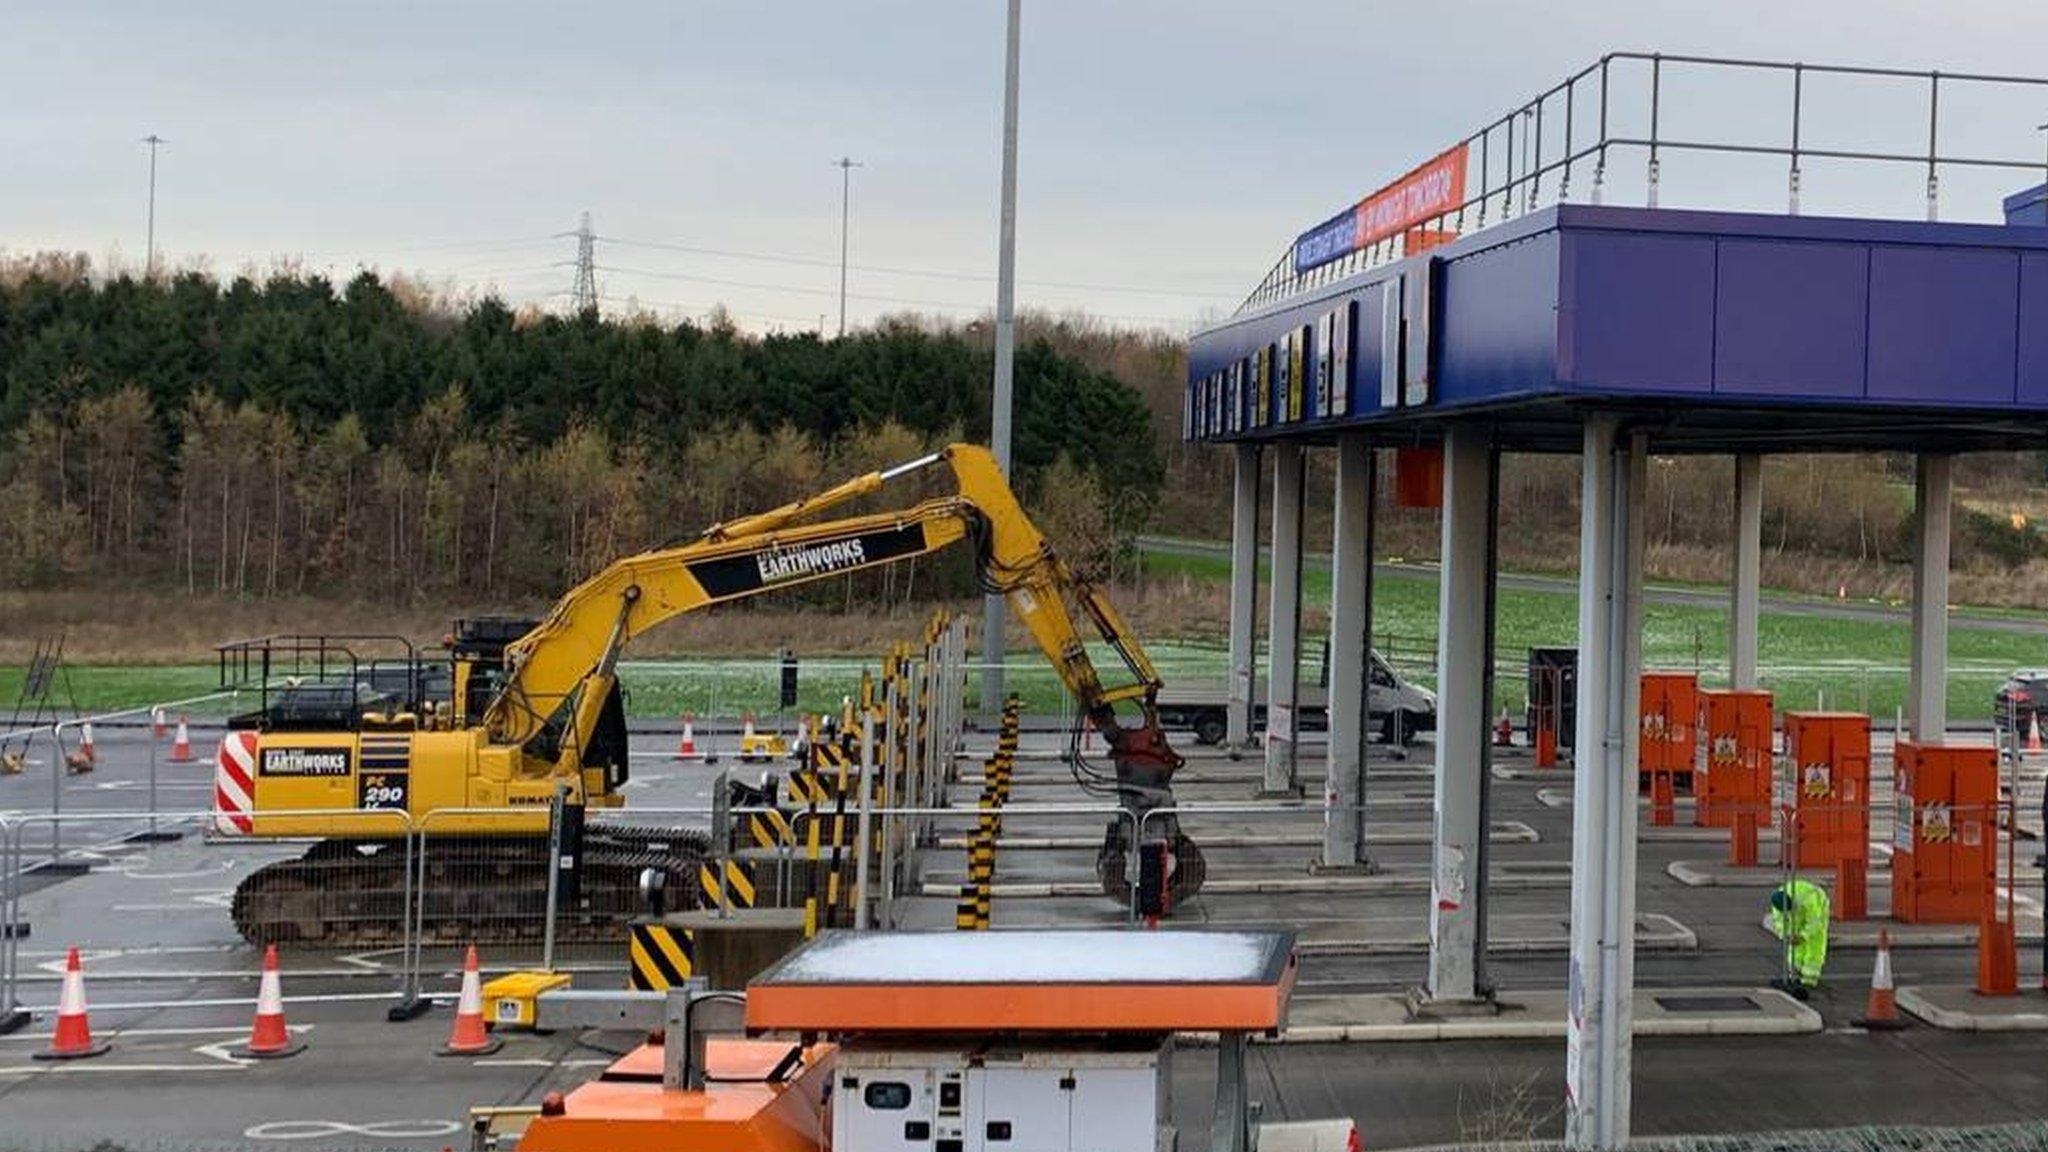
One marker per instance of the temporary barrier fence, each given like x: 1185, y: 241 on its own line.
x: 187, y: 918
x: 64, y: 736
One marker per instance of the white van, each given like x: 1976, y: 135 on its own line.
x: 1398, y: 708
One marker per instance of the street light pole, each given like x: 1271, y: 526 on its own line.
x: 149, y: 261
x: 846, y: 165
x: 992, y: 614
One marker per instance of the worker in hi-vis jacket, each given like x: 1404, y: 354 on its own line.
x: 1799, y: 917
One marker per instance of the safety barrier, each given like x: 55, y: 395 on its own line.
x: 157, y: 932
x: 976, y: 896
x: 73, y: 752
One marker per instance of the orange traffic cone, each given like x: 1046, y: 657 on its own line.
x: 687, y: 749
x: 158, y: 724
x: 1882, y: 1013
x: 181, y: 745
x: 269, y: 1039
x: 469, y: 1037
x: 73, y: 1038
x: 2033, y: 732
x: 85, y: 757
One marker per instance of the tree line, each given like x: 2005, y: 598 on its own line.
x: 290, y: 436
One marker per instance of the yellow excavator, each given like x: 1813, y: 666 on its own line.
x: 518, y: 711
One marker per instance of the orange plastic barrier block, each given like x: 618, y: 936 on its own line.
x: 1827, y: 778
x: 1418, y: 477
x: 1736, y: 773
x: 1668, y: 714
x: 1945, y: 843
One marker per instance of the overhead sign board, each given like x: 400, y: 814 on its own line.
x: 1428, y: 191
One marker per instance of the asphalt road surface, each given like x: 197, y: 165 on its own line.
x: 172, y: 984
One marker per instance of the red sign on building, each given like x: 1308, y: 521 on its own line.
x: 1426, y: 193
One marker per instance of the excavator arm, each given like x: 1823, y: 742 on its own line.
x: 559, y: 674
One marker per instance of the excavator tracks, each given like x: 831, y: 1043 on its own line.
x: 477, y: 889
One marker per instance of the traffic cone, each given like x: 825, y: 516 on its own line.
x: 181, y: 745
x: 748, y: 751
x: 469, y: 1037
x: 73, y: 1038
x: 1882, y: 1013
x: 2034, y: 732
x: 269, y: 1039
x: 85, y: 757
x: 687, y: 749
x: 158, y: 724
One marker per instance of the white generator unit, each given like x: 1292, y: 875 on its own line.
x: 911, y: 1096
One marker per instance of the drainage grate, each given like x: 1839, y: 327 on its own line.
x: 1707, y: 1004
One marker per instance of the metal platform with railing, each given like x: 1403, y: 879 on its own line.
x: 1605, y: 132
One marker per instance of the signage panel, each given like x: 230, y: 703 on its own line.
x: 1262, y: 390
x: 1325, y: 327
x: 1430, y: 190
x: 1284, y: 362
x: 1340, y: 358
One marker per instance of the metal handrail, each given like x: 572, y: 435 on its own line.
x: 1524, y: 168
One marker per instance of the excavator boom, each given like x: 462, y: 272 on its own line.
x: 559, y: 675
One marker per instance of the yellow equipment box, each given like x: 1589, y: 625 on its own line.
x: 509, y: 1000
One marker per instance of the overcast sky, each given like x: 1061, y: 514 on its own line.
x: 1171, y: 146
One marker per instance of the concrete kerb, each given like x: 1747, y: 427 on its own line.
x: 1331, y: 883
x: 1721, y: 874
x: 1379, y: 1017
x: 1863, y: 933
x: 1402, y: 833
x: 1959, y: 1008
x: 1509, y: 934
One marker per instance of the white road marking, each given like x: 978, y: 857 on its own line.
x: 85, y: 956
x: 538, y: 1062
x: 96, y: 1066
x: 134, y: 866
x: 229, y: 1030
x: 328, y: 1129
x: 148, y: 950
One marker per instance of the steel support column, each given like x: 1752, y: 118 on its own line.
x: 1747, y: 571
x: 1244, y: 596
x: 1927, y: 674
x: 1601, y: 981
x: 1350, y: 640
x: 1283, y: 629
x: 1463, y: 686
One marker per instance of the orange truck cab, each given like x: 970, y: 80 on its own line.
x: 759, y: 1096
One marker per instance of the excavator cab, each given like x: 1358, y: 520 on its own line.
x: 476, y: 649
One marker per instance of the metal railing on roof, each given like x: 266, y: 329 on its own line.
x: 1537, y: 149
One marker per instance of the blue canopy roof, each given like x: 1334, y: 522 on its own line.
x: 1721, y: 329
